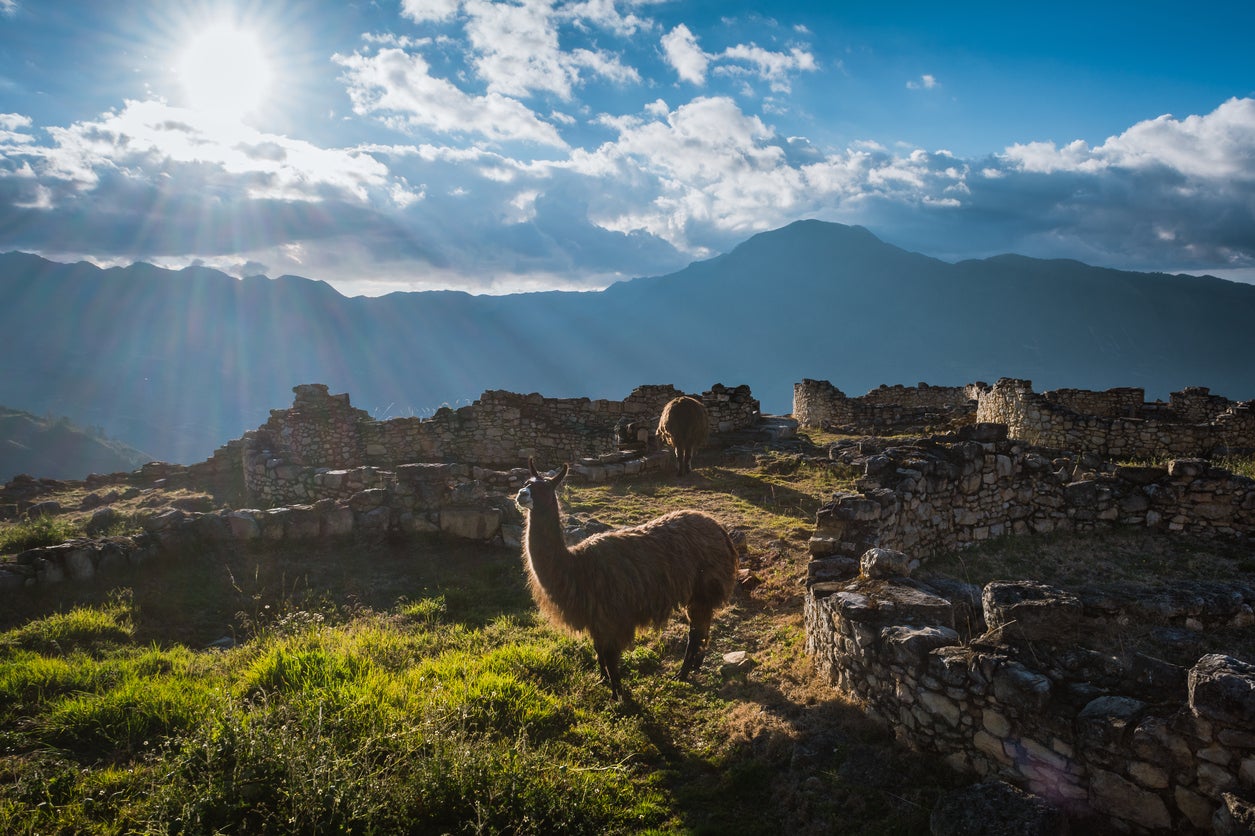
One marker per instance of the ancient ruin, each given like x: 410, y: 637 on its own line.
x: 1011, y: 680
x: 324, y: 469
x: 1014, y: 680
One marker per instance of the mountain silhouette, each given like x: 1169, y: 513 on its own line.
x: 56, y: 449
x: 178, y: 362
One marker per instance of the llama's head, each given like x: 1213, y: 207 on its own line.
x: 540, y: 490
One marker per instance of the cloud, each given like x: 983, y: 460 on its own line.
x: 505, y: 169
x: 691, y: 63
x: 1216, y: 146
x: 398, y: 87
x: 679, y: 47
x: 772, y: 67
x: 423, y: 11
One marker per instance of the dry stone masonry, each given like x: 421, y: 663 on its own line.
x: 1118, y: 423
x: 887, y: 410
x: 1011, y: 681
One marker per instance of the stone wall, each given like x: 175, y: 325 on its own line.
x: 1122, y: 743
x: 453, y: 500
x: 940, y: 495
x: 1007, y: 681
x: 885, y: 410
x: 300, y: 454
x: 1117, y: 424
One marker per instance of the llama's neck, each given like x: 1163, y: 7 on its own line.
x: 546, y: 548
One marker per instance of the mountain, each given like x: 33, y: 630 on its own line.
x: 177, y: 362
x: 56, y: 449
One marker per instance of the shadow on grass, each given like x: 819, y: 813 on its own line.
x: 200, y: 597
x: 790, y: 767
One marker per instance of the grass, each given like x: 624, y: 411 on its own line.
x: 35, y: 533
x: 411, y: 688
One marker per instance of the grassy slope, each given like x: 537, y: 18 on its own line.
x: 410, y: 688
x: 58, y: 450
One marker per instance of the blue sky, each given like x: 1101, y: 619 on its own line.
x: 508, y: 146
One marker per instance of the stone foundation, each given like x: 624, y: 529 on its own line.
x: 888, y: 410
x: 1117, y: 424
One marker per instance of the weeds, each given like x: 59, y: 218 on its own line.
x: 36, y: 533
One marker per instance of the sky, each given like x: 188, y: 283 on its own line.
x: 499, y: 147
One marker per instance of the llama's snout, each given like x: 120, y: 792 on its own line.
x: 524, y: 499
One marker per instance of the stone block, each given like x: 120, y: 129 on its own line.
x: 337, y: 522
x: 893, y: 603
x: 243, y: 525
x: 887, y: 563
x: 1019, y: 687
x: 1197, y: 808
x: 1222, y: 688
x: 995, y: 808
x: 1030, y: 611
x: 1122, y: 799
x: 910, y: 646
x: 471, y: 523
x: 78, y: 563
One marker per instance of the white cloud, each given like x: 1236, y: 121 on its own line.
x: 925, y: 82
x: 398, y: 87
x: 772, y: 67
x: 422, y: 11
x: 691, y: 63
x: 14, y: 129
x: 516, y: 50
x: 1216, y: 146
x: 679, y: 47
x: 605, y: 14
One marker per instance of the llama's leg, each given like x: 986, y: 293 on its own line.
x: 685, y: 456
x: 608, y: 663
x: 700, y: 615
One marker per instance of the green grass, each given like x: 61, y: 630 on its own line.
x: 387, y: 723
x: 35, y: 533
x: 390, y: 689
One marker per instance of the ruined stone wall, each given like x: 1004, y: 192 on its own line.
x: 887, y: 409
x: 1196, y: 405
x: 1142, y: 745
x: 1120, y: 744
x: 1124, y: 402
x: 944, y: 495
x: 300, y: 454
x: 1048, y: 420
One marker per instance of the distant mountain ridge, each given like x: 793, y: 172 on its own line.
x: 55, y: 448
x: 178, y: 362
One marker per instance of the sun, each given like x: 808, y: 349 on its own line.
x: 225, y: 72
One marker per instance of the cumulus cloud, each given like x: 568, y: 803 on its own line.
x: 680, y: 48
x: 776, y: 68
x: 422, y: 11
x: 398, y: 87
x: 497, y: 175
x: 691, y: 63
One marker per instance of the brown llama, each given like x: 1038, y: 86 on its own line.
x: 614, y: 582
x: 684, y: 426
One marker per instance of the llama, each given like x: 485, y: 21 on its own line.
x: 684, y: 426
x: 614, y: 582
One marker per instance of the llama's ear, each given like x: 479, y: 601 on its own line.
x: 561, y: 475
x: 531, y: 465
